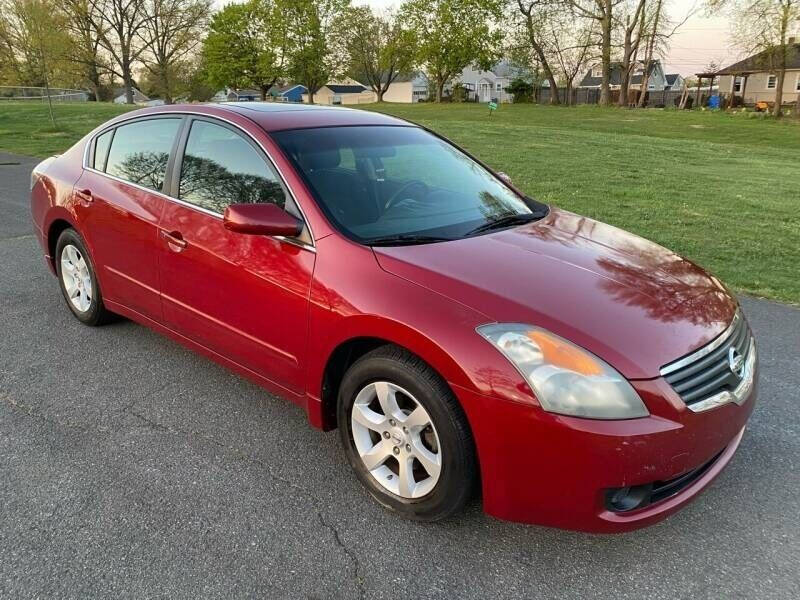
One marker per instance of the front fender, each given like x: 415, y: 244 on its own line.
x: 435, y: 328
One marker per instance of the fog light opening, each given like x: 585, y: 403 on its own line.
x: 628, y: 498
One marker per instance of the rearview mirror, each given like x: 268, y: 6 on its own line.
x: 261, y: 219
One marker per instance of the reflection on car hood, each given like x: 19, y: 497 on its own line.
x: 632, y: 302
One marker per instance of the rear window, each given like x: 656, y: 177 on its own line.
x: 140, y: 151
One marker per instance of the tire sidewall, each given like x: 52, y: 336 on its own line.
x: 451, y: 484
x: 93, y: 315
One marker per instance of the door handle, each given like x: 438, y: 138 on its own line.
x: 174, y: 240
x: 85, y: 196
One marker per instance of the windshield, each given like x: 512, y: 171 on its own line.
x: 401, y: 184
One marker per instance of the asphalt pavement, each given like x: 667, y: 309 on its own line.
x: 132, y: 467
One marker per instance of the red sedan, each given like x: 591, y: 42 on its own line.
x: 458, y: 333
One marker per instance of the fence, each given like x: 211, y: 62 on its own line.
x: 592, y: 96
x: 39, y: 94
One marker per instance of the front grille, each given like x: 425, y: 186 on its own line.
x: 707, y: 372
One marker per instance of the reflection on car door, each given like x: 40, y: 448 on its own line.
x: 120, y: 205
x: 242, y: 296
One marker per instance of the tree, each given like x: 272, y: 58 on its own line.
x: 200, y: 90
x: 247, y: 45
x: 650, y: 50
x: 118, y: 23
x: 87, y: 57
x: 452, y: 34
x: 10, y: 72
x: 570, y: 46
x: 316, y: 29
x: 634, y: 24
x: 762, y: 28
x: 537, y: 18
x: 521, y: 90
x: 171, y: 31
x: 601, y: 11
x: 379, y: 48
x: 34, y: 33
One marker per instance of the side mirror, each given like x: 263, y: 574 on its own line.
x: 505, y: 177
x: 261, y: 219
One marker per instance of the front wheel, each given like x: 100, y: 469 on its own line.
x: 406, y: 436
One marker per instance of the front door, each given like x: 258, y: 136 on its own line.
x: 485, y: 91
x: 242, y: 296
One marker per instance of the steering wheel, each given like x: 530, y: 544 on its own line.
x: 403, y: 193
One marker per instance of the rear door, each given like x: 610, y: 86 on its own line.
x: 243, y: 296
x: 121, y: 201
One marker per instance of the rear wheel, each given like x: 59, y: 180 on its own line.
x: 76, y: 276
x: 406, y: 436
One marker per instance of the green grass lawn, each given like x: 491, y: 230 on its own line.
x: 722, y: 189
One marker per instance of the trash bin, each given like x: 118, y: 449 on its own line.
x: 714, y: 102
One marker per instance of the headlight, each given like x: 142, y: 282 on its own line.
x: 565, y: 378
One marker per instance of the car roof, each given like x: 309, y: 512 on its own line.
x: 272, y: 116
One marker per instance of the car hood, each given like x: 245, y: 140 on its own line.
x: 631, y: 302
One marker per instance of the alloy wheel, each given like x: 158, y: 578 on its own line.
x: 76, y: 278
x: 396, y: 440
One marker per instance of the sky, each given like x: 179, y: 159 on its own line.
x: 699, y: 41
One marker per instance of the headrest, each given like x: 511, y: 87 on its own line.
x: 318, y: 153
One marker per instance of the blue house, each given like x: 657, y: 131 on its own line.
x: 288, y: 93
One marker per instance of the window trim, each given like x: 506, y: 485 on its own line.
x: 797, y: 83
x: 771, y: 77
x: 88, y: 153
x: 108, y: 150
x: 180, y: 151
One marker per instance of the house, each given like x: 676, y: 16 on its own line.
x: 489, y: 86
x: 347, y: 91
x: 675, y: 82
x: 754, y: 80
x: 656, y: 78
x: 408, y: 89
x: 292, y: 92
x: 247, y: 95
x: 234, y: 95
x: 138, y: 97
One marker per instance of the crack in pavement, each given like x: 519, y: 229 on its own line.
x: 14, y: 238
x: 20, y: 407
x: 356, y: 576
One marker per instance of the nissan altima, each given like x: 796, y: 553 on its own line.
x: 463, y: 337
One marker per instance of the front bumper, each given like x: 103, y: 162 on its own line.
x: 547, y: 469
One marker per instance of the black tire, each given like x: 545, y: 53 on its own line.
x: 459, y: 471
x: 96, y: 314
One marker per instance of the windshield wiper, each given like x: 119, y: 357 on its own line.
x: 506, y: 221
x: 405, y: 239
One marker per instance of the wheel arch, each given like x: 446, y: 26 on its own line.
x: 57, y: 220
x: 360, y: 340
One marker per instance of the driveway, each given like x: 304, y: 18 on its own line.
x: 132, y: 467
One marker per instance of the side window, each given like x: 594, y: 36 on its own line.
x: 140, y: 151
x: 101, y: 144
x: 220, y: 168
